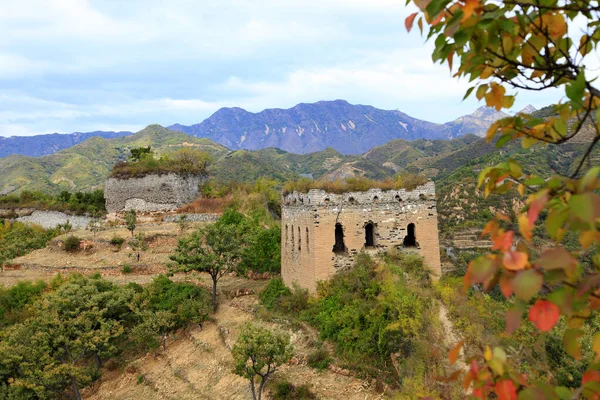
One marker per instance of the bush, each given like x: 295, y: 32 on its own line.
x: 126, y: 269
x: 319, y: 359
x: 181, y: 161
x: 296, y: 301
x: 273, y: 292
x: 284, y: 390
x: 72, y: 244
x: 355, y: 184
x: 117, y: 241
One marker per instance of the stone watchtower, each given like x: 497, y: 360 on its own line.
x: 321, y: 233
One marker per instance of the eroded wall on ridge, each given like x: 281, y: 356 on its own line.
x: 151, y: 193
x: 308, y: 230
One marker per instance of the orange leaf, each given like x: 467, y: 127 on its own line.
x: 408, y: 22
x: 544, y: 315
x: 505, y: 285
x: 535, y: 207
x: 454, y: 353
x: 506, y: 390
x: 504, y: 241
x: 469, y: 8
x: 515, y: 260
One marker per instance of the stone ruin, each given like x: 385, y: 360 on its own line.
x: 165, y: 192
x: 322, y: 233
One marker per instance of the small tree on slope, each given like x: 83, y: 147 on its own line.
x: 258, y: 353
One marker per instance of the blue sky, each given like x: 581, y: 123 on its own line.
x: 81, y: 65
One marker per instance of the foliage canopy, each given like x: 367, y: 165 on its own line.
x: 533, y: 46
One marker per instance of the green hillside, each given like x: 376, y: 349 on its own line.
x: 87, y: 165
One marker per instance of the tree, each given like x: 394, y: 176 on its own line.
x: 70, y: 330
x: 131, y: 220
x: 214, y: 250
x: 95, y: 224
x: 139, y: 244
x: 139, y: 152
x: 258, y: 352
x: 532, y: 46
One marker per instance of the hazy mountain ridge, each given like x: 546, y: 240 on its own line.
x: 348, y: 128
x: 42, y: 145
x: 305, y: 128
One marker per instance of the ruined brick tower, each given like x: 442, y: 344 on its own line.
x: 321, y: 233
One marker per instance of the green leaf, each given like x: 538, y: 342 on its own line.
x: 469, y: 91
x: 527, y: 284
x: 589, y: 179
x: 576, y: 89
x: 571, y: 342
x: 585, y: 206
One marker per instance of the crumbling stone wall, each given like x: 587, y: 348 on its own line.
x: 151, y: 193
x: 310, y: 251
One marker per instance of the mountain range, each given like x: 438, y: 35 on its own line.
x: 42, y: 145
x: 305, y: 128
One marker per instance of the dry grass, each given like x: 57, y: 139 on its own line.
x: 207, y: 205
x: 359, y: 184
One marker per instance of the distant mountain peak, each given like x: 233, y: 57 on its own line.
x: 528, y: 109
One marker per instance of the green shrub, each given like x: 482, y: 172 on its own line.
x: 284, y: 390
x: 296, y: 301
x: 126, y: 269
x: 117, y: 241
x: 319, y: 359
x: 72, y: 244
x: 273, y: 292
x: 181, y: 161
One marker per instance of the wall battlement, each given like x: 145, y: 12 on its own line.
x: 321, y: 233
x: 151, y: 193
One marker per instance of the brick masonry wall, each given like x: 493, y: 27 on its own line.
x: 308, y: 256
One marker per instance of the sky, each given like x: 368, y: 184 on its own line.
x: 82, y: 65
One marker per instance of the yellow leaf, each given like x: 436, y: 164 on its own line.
x: 555, y: 24
x: 596, y: 345
x: 587, y: 238
x: 495, y: 97
x: 525, y: 228
x: 528, y: 54
x: 487, y: 72
x: 521, y: 189
x: 488, y: 355
x: 537, y: 74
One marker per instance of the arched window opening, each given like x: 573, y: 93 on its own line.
x: 339, y: 246
x: 286, y: 235
x: 376, y: 199
x: 369, y: 235
x: 410, y: 240
x: 351, y: 200
x: 293, y: 241
x: 299, y: 240
x: 398, y: 198
x: 307, y: 242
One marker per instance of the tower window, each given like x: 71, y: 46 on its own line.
x: 307, y: 242
x: 299, y: 240
x: 293, y: 241
x: 339, y: 246
x: 286, y: 235
x: 369, y: 235
x: 410, y: 240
